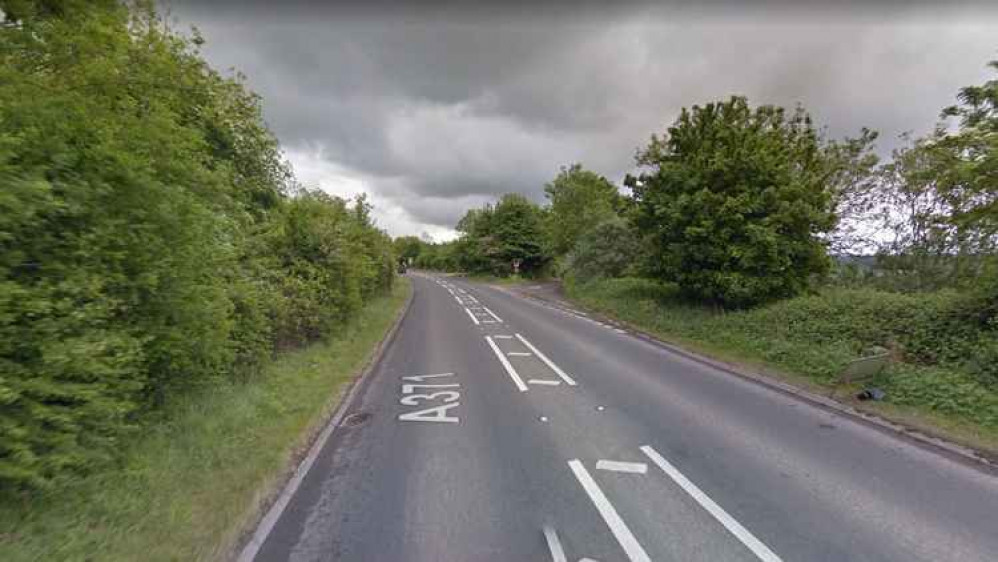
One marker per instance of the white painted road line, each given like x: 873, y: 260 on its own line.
x: 618, y: 466
x: 505, y: 363
x: 503, y: 337
x: 741, y: 533
x: 635, y: 552
x: 493, y: 314
x: 473, y: 319
x: 544, y: 382
x: 519, y: 354
x: 554, y: 545
x: 547, y: 361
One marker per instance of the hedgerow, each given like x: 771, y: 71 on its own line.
x: 152, y: 239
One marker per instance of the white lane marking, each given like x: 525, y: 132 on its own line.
x: 505, y: 363
x: 554, y: 545
x: 741, y: 533
x: 618, y: 466
x: 547, y: 361
x: 519, y: 354
x: 473, y: 319
x: 492, y: 313
x: 631, y: 546
x: 619, y: 331
x: 544, y: 382
x: 503, y: 337
x: 421, y: 378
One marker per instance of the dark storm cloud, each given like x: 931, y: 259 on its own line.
x: 432, y: 108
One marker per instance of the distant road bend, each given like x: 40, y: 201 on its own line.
x: 500, y: 428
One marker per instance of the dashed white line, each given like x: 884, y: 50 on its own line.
x: 741, y: 533
x: 505, y: 363
x: 502, y: 337
x: 473, y: 319
x: 547, y: 361
x: 635, y: 552
x: 554, y: 545
x: 519, y: 354
x: 618, y: 466
x: 544, y: 382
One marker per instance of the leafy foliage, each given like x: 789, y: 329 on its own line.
x: 608, y: 250
x: 736, y: 200
x: 943, y: 363
x: 497, y: 236
x: 579, y: 200
x: 149, y: 243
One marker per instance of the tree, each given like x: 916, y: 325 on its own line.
x: 580, y: 200
x: 967, y: 165
x: 496, y: 236
x: 736, y: 201
x: 610, y: 249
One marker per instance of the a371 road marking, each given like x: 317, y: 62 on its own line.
x: 447, y: 399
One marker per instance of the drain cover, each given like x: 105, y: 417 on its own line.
x: 353, y: 420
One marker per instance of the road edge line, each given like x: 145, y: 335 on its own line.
x: 273, y: 507
x: 966, y: 455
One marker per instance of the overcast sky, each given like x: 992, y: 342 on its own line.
x: 431, y: 109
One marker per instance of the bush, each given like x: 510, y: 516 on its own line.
x: 149, y: 244
x: 737, y: 200
x: 608, y: 250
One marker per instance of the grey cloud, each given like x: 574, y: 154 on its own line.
x: 435, y: 113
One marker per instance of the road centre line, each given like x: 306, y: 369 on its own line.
x: 741, y: 533
x: 492, y: 313
x: 618, y: 466
x: 635, y: 552
x: 547, y: 361
x: 505, y: 363
x: 473, y: 319
x: 554, y: 545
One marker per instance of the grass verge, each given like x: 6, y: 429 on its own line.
x: 807, y: 341
x: 189, y: 485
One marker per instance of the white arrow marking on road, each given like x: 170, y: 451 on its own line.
x: 493, y: 314
x: 741, y: 533
x: 617, y: 466
x: 635, y: 552
x: 547, y: 361
x: 505, y: 363
x: 554, y: 545
x: 473, y: 319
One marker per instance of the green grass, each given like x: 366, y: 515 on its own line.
x: 809, y: 340
x: 188, y: 486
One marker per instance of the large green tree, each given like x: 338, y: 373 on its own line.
x: 737, y: 201
x: 494, y: 237
x: 579, y: 200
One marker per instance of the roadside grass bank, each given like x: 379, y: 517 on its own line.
x: 937, y: 383
x: 188, y: 486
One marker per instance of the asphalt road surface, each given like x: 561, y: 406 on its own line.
x: 500, y: 428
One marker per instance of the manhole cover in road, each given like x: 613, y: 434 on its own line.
x: 353, y: 420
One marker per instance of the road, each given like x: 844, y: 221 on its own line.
x: 500, y: 428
